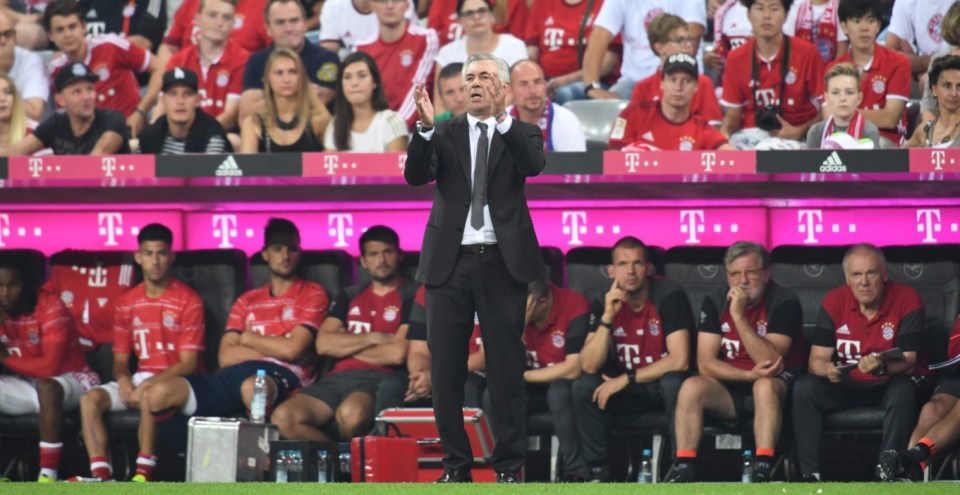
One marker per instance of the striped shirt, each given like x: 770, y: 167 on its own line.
x: 175, y: 146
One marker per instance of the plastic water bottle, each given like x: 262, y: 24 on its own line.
x: 283, y: 461
x: 322, y: 456
x: 345, y: 464
x: 747, y: 466
x: 295, y: 471
x: 258, y: 405
x: 646, y: 471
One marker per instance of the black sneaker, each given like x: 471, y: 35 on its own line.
x: 763, y: 472
x: 681, y: 472
x: 897, y: 466
x: 809, y: 478
x: 600, y: 474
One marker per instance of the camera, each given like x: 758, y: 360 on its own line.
x: 767, y: 118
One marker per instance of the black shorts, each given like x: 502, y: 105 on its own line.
x: 219, y: 394
x: 742, y: 395
x: 949, y: 385
x: 332, y: 389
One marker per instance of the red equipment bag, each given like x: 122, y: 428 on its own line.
x: 383, y: 460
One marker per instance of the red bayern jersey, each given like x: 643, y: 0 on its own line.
x: 569, y: 316
x: 249, y: 30
x: 221, y: 81
x: 362, y: 311
x: 555, y: 27
x: 887, y: 77
x: 158, y: 328
x: 303, y: 304
x: 443, y: 18
x: 42, y: 344
x: 898, y: 323
x: 89, y: 293
x: 645, y: 123
x: 704, y: 104
x: 803, y: 88
x: 116, y: 62
x: 779, y: 312
x: 406, y: 63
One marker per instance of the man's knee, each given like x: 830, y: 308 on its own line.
x: 901, y: 393
x: 163, y: 394
x: 768, y: 391
x: 807, y: 389
x: 94, y: 403
x: 354, y: 418
x: 560, y: 394
x: 692, y: 392
x: 583, y: 387
x: 49, y: 392
x: 285, y: 417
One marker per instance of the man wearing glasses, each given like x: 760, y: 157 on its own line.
x: 26, y: 69
x: 860, y: 323
x: 749, y: 340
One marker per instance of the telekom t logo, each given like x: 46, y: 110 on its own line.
x: 938, y: 158
x: 4, y: 227
x: 35, y: 166
x: 225, y: 228
x: 111, y: 225
x: 341, y: 227
x: 140, y: 337
x: 848, y: 350
x: 691, y: 222
x: 632, y: 161
x: 553, y: 37
x: 576, y: 226
x: 930, y: 224
x: 708, y: 161
x: 108, y: 165
x: 810, y: 222
x: 331, y: 163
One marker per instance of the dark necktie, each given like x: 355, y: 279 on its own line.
x: 479, y: 180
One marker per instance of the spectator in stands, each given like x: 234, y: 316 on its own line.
x: 293, y: 118
x: 629, y: 19
x: 140, y: 21
x: 556, y: 36
x: 858, y: 324
x: 749, y: 344
x: 627, y: 372
x: 217, y: 59
x: 843, y: 97
x: 413, y: 387
x: 404, y: 53
x: 13, y: 118
x: 184, y: 126
x: 668, y: 34
x: 479, y: 37
x: 817, y: 22
x: 160, y: 321
x: 938, y: 427
x: 270, y: 328
x: 287, y: 27
x: 343, y: 23
x: 885, y: 74
x: 783, y: 100
x: 944, y: 130
x: 365, y: 333
x: 115, y: 60
x: 451, y: 92
x: 561, y: 128
x: 510, y: 16
x: 26, y: 17
x: 950, y: 31
x: 731, y: 28
x: 363, y: 121
x: 248, y: 31
x: 668, y: 124
x: 45, y: 371
x: 26, y: 70
x: 914, y: 30
x: 83, y: 128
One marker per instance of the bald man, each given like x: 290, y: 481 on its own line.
x: 561, y: 128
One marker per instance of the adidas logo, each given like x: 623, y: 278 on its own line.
x: 549, y: 21
x: 843, y: 330
x: 354, y: 311
x: 648, y: 136
x: 136, y: 321
x: 833, y: 164
x: 619, y: 332
x: 229, y: 168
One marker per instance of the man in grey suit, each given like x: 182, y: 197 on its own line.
x: 479, y: 253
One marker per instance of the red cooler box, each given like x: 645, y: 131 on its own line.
x: 383, y: 460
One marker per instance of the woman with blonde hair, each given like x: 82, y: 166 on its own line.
x: 293, y: 118
x: 13, y: 116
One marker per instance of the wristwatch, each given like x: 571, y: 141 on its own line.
x: 591, y: 86
x: 423, y: 128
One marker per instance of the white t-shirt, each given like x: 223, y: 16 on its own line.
x: 385, y: 127
x: 632, y: 18
x: 510, y: 48
x: 918, y: 22
x: 567, y: 132
x: 790, y: 27
x: 29, y: 75
x: 735, y: 24
x: 341, y: 21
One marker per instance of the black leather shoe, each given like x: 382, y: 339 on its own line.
x: 507, y: 477
x: 455, y: 476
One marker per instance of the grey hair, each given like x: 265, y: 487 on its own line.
x: 865, y: 247
x: 745, y: 248
x: 503, y: 70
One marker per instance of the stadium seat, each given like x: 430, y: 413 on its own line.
x: 698, y: 269
x: 597, y: 118
x: 587, y: 267
x: 913, y: 116
x: 408, y: 267
x: 810, y: 272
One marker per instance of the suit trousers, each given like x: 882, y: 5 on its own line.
x: 479, y: 284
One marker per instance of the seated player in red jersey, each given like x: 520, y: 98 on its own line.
x: 270, y: 328
x: 749, y: 345
x: 668, y: 124
x: 636, y: 354
x: 668, y: 34
x: 160, y: 321
x: 413, y: 387
x: 42, y: 366
x: 857, y: 323
x: 938, y: 427
x: 365, y: 333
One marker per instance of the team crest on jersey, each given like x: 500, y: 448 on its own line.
x: 390, y: 313
x: 287, y: 314
x: 725, y: 328
x: 33, y: 337
x: 761, y: 328
x: 406, y: 58
x: 686, y: 143
x: 879, y: 84
x: 238, y: 21
x: 933, y: 28
x: 654, y: 327
x: 168, y: 320
x: 327, y: 72
x: 354, y: 311
x: 650, y: 17
x: 558, y: 339
x: 887, y: 330
x: 103, y: 72
x: 67, y: 297
x: 223, y: 77
x: 791, y: 76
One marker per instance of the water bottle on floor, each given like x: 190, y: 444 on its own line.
x: 322, y: 456
x: 646, y: 470
x: 258, y: 405
x: 747, y: 466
